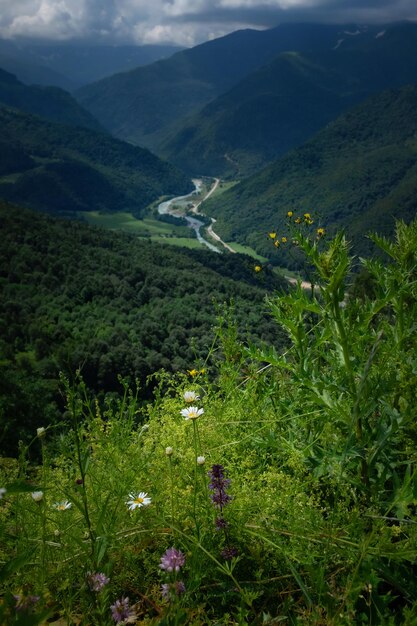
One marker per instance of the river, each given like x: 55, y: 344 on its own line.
x: 180, y: 203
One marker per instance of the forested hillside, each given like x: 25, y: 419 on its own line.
x: 282, y: 104
x: 63, y: 169
x: 148, y: 104
x: 74, y: 297
x: 359, y: 173
x: 51, y: 103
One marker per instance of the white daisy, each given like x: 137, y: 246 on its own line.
x: 138, y: 500
x: 191, y: 396
x: 62, y: 506
x: 192, y: 413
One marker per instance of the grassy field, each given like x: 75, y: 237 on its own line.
x: 126, y: 222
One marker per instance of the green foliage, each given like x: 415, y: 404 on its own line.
x: 76, y: 297
x: 309, y: 456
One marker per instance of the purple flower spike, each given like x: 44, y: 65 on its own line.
x: 229, y: 553
x: 218, y: 485
x: 121, y: 610
x: 221, y: 523
x: 172, y: 560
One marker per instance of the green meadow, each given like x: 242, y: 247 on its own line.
x: 264, y: 485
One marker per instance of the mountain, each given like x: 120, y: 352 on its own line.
x: 70, y: 65
x: 146, y: 105
x: 358, y: 173
x: 64, y: 169
x: 52, y: 103
x: 76, y: 297
x: 282, y: 104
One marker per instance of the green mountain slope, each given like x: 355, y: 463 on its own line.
x: 146, y: 105
x: 284, y: 103
x: 52, y: 103
x: 358, y: 173
x: 59, y: 168
x: 72, y: 296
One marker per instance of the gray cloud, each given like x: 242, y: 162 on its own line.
x: 185, y: 22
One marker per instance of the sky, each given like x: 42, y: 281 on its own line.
x: 181, y: 22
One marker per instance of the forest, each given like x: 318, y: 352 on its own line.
x: 110, y: 305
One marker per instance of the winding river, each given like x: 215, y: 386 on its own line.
x: 180, y: 204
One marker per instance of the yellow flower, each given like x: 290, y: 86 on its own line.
x: 193, y: 372
x: 309, y: 222
x: 320, y: 232
x: 284, y: 239
x: 272, y: 235
x: 289, y: 214
x: 277, y: 243
x: 258, y: 268
x: 307, y: 216
x: 203, y: 371
x: 297, y: 220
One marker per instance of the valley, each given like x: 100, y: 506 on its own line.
x: 208, y: 305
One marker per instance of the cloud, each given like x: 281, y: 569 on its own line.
x: 185, y: 22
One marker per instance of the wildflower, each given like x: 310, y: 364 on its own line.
x: 41, y: 432
x: 289, y: 213
x: 3, y: 490
x: 277, y: 243
x: 138, y: 500
x: 272, y: 235
x: 192, y: 413
x: 320, y: 232
x: 97, y: 581
x: 307, y: 216
x: 37, y: 495
x: 229, y: 553
x: 62, y: 506
x: 258, y: 268
x: 121, y: 610
x: 284, y: 239
x: 193, y: 373
x: 169, y: 589
x: 169, y: 451
x: 297, y: 220
x: 25, y: 603
x: 218, y: 486
x: 202, y: 371
x: 191, y: 396
x: 221, y: 523
x: 172, y: 560
x: 201, y: 460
